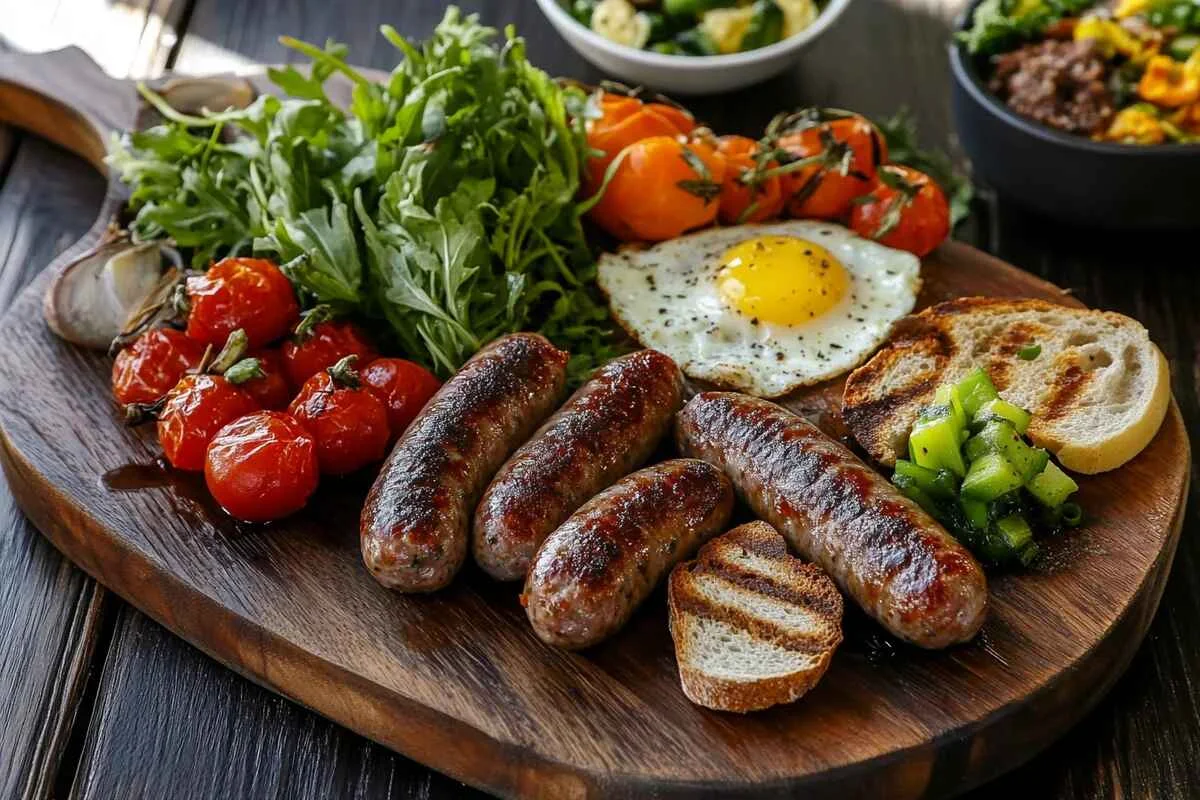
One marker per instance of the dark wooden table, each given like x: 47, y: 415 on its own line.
x: 97, y: 701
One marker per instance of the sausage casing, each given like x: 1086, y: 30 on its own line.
x: 608, y: 427
x: 882, y: 549
x: 595, y: 569
x: 414, y: 526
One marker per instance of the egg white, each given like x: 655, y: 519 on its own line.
x: 666, y: 296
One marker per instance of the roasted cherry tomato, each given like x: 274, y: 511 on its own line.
x: 663, y: 188
x: 247, y: 293
x: 844, y: 154
x: 347, y: 420
x: 404, y: 388
x: 151, y: 366
x: 264, y: 379
x: 198, y: 407
x: 262, y: 466
x: 906, y: 210
x: 748, y: 194
x: 321, y: 346
x: 625, y: 120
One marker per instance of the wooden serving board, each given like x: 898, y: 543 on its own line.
x: 458, y: 681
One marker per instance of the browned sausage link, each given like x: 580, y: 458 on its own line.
x: 594, y: 570
x: 610, y: 426
x: 414, y: 524
x: 881, y: 548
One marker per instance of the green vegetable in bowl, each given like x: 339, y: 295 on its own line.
x: 693, y: 8
x: 766, y: 25
x: 971, y: 468
x: 695, y: 27
x: 998, y: 24
x: 440, y: 209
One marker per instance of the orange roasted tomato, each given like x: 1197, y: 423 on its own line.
x: 198, y: 407
x: 624, y: 120
x: 663, y: 188
x: 247, y: 293
x: 834, y: 161
x: 262, y: 466
x: 748, y: 194
x: 151, y: 366
x: 404, y: 387
x: 320, y: 346
x: 906, y: 210
x: 347, y: 420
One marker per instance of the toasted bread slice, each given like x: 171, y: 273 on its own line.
x: 753, y: 626
x: 1098, y: 389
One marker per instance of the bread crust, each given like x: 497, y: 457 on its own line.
x: 883, y: 397
x: 807, y: 586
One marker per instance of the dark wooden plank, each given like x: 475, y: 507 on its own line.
x: 49, y: 610
x: 173, y: 723
x: 1144, y: 739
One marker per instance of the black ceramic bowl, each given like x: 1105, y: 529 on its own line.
x: 1070, y: 177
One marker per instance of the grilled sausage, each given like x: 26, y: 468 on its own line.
x: 880, y: 547
x: 610, y: 426
x: 413, y: 529
x: 597, y: 567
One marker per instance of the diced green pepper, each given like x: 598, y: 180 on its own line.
x: 989, y: 477
x: 974, y: 390
x: 1002, y: 409
x: 948, y: 397
x: 976, y: 512
x: 999, y: 436
x: 667, y: 48
x: 1029, y: 352
x: 766, y: 26
x: 1015, y: 532
x: 935, y: 443
x: 1052, y: 486
x: 909, y: 488
x: 938, y: 484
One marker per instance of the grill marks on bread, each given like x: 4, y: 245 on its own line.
x: 753, y: 626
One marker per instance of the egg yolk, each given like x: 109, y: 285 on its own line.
x: 781, y: 279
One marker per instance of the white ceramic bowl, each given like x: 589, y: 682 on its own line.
x: 687, y: 74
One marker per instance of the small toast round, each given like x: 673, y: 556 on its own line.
x: 1097, y: 387
x: 753, y: 626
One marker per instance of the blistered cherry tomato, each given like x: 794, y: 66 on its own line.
x: 247, y: 293
x: 846, y: 154
x: 151, y: 366
x: 747, y: 193
x: 347, y: 420
x: 262, y: 466
x: 404, y: 388
x: 625, y: 120
x: 663, y: 188
x: 268, y: 384
x: 906, y: 210
x: 198, y: 407
x: 325, y: 344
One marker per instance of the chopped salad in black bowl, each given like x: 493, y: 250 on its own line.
x: 1123, y: 71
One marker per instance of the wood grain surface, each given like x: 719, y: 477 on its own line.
x: 458, y: 681
x: 1142, y: 741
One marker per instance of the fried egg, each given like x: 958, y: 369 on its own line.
x: 764, y: 309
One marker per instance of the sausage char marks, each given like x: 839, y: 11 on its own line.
x: 414, y: 525
x: 882, y: 549
x: 593, y: 571
x: 610, y: 425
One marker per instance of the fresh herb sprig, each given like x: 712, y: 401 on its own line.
x: 441, y: 206
x: 900, y: 133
